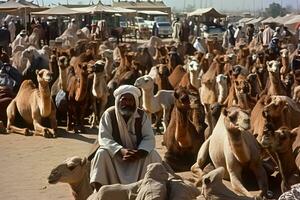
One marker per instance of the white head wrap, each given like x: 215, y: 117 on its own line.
x: 125, y: 129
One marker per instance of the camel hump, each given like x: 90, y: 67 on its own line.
x: 28, y: 84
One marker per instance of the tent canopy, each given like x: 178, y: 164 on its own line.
x: 294, y: 20
x: 102, y: 8
x: 12, y: 4
x: 58, y: 10
x: 152, y: 12
x: 255, y: 21
x: 211, y: 12
x: 244, y: 20
x: 268, y: 20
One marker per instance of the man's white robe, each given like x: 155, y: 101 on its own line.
x: 107, y: 166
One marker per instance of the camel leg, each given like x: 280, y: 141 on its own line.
x: 235, y: 179
x: 11, y: 115
x: 39, y: 129
x: 166, y: 117
x: 202, y: 156
x: 70, y: 115
x: 261, y: 177
x: 103, y: 105
x: 53, y: 121
x: 209, y: 121
x: 94, y: 115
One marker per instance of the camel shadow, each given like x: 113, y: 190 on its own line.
x: 62, y: 133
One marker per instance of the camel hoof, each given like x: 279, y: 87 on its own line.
x: 27, y: 132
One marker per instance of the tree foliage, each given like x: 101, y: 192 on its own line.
x: 275, y: 10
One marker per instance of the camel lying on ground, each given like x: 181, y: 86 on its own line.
x: 213, y: 188
x: 231, y: 146
x: 162, y: 101
x: 280, y: 143
x: 75, y: 172
x: 33, y: 104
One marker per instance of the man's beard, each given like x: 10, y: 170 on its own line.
x: 127, y: 111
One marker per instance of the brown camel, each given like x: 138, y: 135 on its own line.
x: 280, y: 143
x: 276, y: 86
x: 285, y: 69
x: 181, y: 137
x: 231, y: 146
x: 33, y: 104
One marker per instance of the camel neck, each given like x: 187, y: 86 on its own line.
x: 148, y: 99
x: 82, y: 190
x: 82, y: 89
x: 223, y: 91
x: 99, y: 85
x: 276, y: 84
x: 181, y: 131
x: 286, y: 163
x: 238, y: 146
x: 44, y: 100
x: 63, y: 78
x: 243, y: 101
x: 194, y: 79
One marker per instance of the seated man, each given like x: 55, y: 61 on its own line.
x: 126, y: 142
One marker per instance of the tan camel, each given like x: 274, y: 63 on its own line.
x: 108, y: 57
x: 34, y: 38
x: 222, y: 84
x: 231, y: 146
x: 100, y: 92
x: 181, y: 137
x: 285, y: 69
x: 214, y: 189
x: 75, y: 172
x: 276, y: 86
x: 163, y: 100
x: 33, y: 104
x: 280, y: 143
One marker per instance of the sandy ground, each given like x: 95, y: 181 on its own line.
x: 25, y: 163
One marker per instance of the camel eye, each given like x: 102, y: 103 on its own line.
x: 71, y: 167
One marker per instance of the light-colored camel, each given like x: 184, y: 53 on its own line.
x: 99, y: 92
x: 21, y: 57
x: 163, y: 100
x: 33, y: 104
x: 75, y: 172
x: 195, y: 72
x: 214, y: 189
x: 152, y: 43
x: 231, y: 146
x: 222, y: 84
x: 296, y: 94
x: 34, y: 38
x: 285, y: 68
x: 276, y: 86
x: 109, y: 63
x: 280, y: 143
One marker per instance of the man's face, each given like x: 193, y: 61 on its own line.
x: 127, y: 104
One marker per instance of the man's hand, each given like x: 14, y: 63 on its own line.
x: 132, y: 154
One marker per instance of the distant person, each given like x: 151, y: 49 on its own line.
x: 250, y: 32
x: 259, y: 36
x: 184, y: 31
x: 277, y: 33
x: 86, y: 31
x: 72, y: 25
x: 155, y: 29
x: 198, y: 46
x: 228, y: 37
x: 238, y: 34
x: 176, y: 25
x: 21, y: 39
x: 5, y: 39
x: 11, y: 28
x: 267, y: 35
x: 274, y: 46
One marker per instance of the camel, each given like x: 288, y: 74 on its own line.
x: 280, y: 143
x: 282, y: 111
x: 276, y: 86
x: 285, y: 69
x: 162, y: 77
x: 33, y: 104
x: 163, y: 100
x: 233, y: 147
x: 109, y: 63
x: 181, y: 137
x: 222, y: 84
x: 144, y: 58
x: 213, y: 188
x: 21, y: 57
x: 34, y: 38
x: 174, y: 60
x: 99, y: 91
x: 75, y: 172
x: 152, y: 43
x: 195, y: 72
x: 296, y: 94
x: 6, y: 96
x: 176, y: 75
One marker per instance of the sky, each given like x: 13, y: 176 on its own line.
x: 236, y: 5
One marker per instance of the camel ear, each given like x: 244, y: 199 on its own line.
x: 83, y: 161
x: 37, y: 72
x: 176, y: 95
x: 268, y: 63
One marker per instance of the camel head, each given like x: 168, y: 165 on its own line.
x: 241, y: 85
x: 182, y: 98
x: 28, y: 53
x: 98, y: 67
x: 193, y: 64
x: 279, y: 141
x: 213, y: 179
x: 46, y: 50
x: 163, y: 70
x: 70, y: 171
x: 273, y: 66
x: 108, y: 54
x: 236, y: 119
x: 275, y: 107
x: 44, y: 76
x: 284, y: 53
x: 144, y: 82
x: 63, y: 62
x: 231, y: 58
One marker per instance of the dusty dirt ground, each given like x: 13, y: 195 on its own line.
x: 25, y: 163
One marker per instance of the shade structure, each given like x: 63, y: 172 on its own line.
x: 100, y: 8
x: 12, y: 4
x: 255, y: 21
x: 211, y: 12
x: 59, y: 10
x: 268, y: 20
x: 152, y: 12
x: 245, y: 20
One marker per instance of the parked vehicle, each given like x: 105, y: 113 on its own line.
x: 140, y: 28
x: 213, y: 31
x: 164, y: 29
